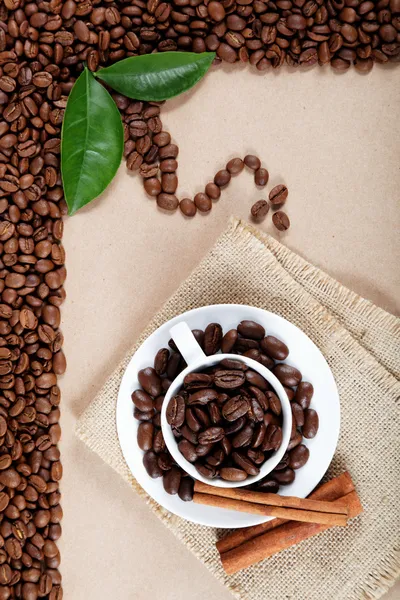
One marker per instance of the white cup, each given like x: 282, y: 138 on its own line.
x: 197, y: 361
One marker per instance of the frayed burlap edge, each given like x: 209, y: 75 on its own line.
x: 388, y: 569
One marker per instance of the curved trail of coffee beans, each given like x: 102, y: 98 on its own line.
x: 43, y: 47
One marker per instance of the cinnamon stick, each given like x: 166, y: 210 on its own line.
x: 331, y: 490
x: 271, y: 499
x: 279, y: 539
x: 306, y: 516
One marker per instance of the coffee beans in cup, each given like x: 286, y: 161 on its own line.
x: 236, y: 403
x: 232, y: 440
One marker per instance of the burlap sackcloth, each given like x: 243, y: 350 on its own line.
x: 361, y: 343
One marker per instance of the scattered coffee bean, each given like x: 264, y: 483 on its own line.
x: 278, y: 195
x: 259, y: 210
x: 235, y: 166
x: 281, y: 220
x: 261, y: 177
x: 253, y: 162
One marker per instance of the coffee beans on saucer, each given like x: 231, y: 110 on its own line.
x: 215, y: 425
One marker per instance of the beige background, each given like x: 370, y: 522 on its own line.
x: 335, y: 141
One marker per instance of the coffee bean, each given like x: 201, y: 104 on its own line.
x: 203, y: 202
x: 251, y: 329
x: 281, y: 220
x: 212, y: 338
x: 304, y: 394
x: 245, y: 463
x: 151, y: 464
x: 142, y: 400
x: 261, y: 177
x: 188, y: 450
x: 161, y: 361
x: 143, y: 416
x: 204, y: 449
x: 278, y: 195
x: 202, y: 397
x: 255, y: 379
x: 168, y: 151
x: 235, y: 408
x: 275, y: 348
x: 192, y: 420
x: 233, y: 363
x: 185, y: 491
x: 299, y: 456
x: 287, y: 375
x: 152, y: 186
x: 211, y: 435
x: 273, y: 402
x: 188, y: 207
x: 295, y: 21
x: 222, y: 178
x: 176, y: 411
x: 310, y: 427
x: 243, y: 437
x: 236, y: 425
x: 167, y: 202
x: 273, y: 438
x: 298, y: 414
x: 259, y: 210
x: 284, y: 477
x: 213, y: 191
x: 172, y: 480
x: 229, y: 340
x: 216, y: 458
x: 267, y: 485
x: 232, y: 474
x: 206, y: 470
x: 235, y: 166
x: 253, y: 162
x: 227, y: 53
x: 295, y: 440
x: 150, y: 382
x: 229, y: 379
x: 259, y: 434
x: 145, y: 436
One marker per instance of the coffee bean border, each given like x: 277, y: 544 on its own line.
x: 43, y: 46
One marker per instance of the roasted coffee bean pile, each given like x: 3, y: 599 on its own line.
x: 33, y: 88
x: 248, y: 339
x: 221, y: 411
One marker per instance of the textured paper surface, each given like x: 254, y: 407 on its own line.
x: 368, y: 446
x: 335, y: 141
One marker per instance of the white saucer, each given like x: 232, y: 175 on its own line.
x: 304, y: 355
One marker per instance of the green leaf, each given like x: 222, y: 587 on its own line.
x: 157, y: 76
x: 92, y: 142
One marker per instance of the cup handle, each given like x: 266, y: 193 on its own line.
x: 186, y: 343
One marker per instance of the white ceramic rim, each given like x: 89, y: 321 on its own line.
x: 172, y: 445
x: 127, y: 424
